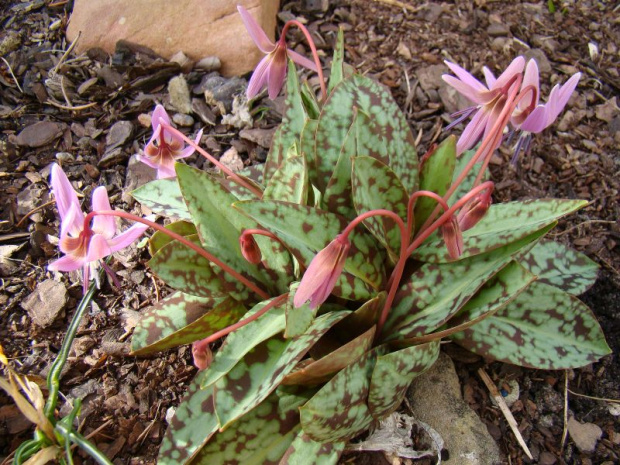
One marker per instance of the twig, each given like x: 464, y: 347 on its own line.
x: 65, y: 107
x: 581, y: 224
x: 33, y: 211
x: 603, y: 399
x: 13, y: 75
x: 565, y: 428
x: 505, y: 410
x: 413, y: 9
x: 66, y: 54
x: 64, y: 91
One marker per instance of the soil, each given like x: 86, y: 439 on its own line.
x: 126, y: 399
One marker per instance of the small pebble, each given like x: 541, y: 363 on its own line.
x: 65, y: 157
x: 183, y: 120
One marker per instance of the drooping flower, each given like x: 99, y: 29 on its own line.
x: 322, y: 273
x: 85, y: 246
x: 474, y: 210
x: 164, y: 148
x: 453, y: 237
x: 489, y: 99
x: 271, y: 70
x: 249, y: 248
x: 202, y: 355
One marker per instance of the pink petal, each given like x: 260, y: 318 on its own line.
x: 73, y: 222
x: 259, y: 77
x: 489, y: 77
x: 159, y: 113
x: 472, y: 132
x: 301, y: 60
x: 277, y: 74
x: 66, y: 263
x: 466, y: 77
x: 64, y: 193
x: 126, y: 238
x: 256, y: 33
x: 157, y: 132
x: 98, y: 248
x: 564, y: 94
x: 531, y: 78
x: 536, y: 121
x: 513, y: 69
x: 103, y: 224
x: 464, y: 89
x: 147, y: 162
x: 165, y: 172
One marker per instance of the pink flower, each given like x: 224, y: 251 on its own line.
x: 474, y: 210
x: 164, y: 148
x: 489, y: 99
x: 271, y: 70
x: 84, y: 247
x: 249, y: 248
x: 202, y: 354
x: 453, y: 238
x: 321, y: 276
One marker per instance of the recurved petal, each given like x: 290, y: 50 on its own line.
x: 489, y: 77
x: 277, y: 74
x: 127, y: 237
x: 259, y: 77
x: 464, y: 89
x: 103, y: 224
x: 63, y: 191
x: 564, y: 94
x: 472, y: 132
x: 256, y: 33
x: 465, y: 76
x: 301, y: 60
x: 513, y: 69
x: 159, y: 114
x: 73, y: 222
x: 66, y: 263
x: 536, y: 121
x: 531, y: 78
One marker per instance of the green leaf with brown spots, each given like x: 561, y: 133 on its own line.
x: 159, y: 239
x: 298, y: 320
x: 393, y: 374
x: 387, y: 136
x: 311, y: 105
x: 339, y: 411
x: 435, y: 176
x: 240, y: 342
x: 240, y: 192
x: 311, y: 372
x: 262, y: 369
x: 219, y: 226
x: 290, y: 182
x: 503, y: 223
x: 503, y: 288
x: 305, y: 451
x: 183, y: 269
x: 543, y: 328
x: 193, y: 423
x: 181, y: 319
x: 306, y: 231
x: 293, y: 121
x: 261, y: 437
x: 164, y: 197
x: 307, y: 147
x: 436, y: 292
x: 336, y: 75
x: 376, y: 186
x: 468, y: 182
x: 561, y: 266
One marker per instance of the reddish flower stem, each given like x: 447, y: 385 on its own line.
x: 252, y: 286
x: 201, y: 345
x: 315, y: 55
x: 412, y: 201
x: 234, y: 176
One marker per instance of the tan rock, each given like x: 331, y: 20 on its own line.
x: 198, y: 28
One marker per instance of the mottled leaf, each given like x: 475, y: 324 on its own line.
x: 468, y: 182
x: 240, y: 342
x: 159, y: 239
x: 307, y: 148
x: 336, y: 75
x: 293, y: 121
x: 339, y: 412
x: 298, y: 319
x: 181, y: 319
x: 289, y: 183
x: 375, y: 186
x: 393, y: 374
x: 240, y: 192
x: 435, y: 176
x: 311, y: 104
x: 435, y: 292
x: 305, y: 451
x: 543, y: 328
x: 561, y: 266
x: 261, y: 437
x: 321, y: 370
x: 193, y: 423
x: 503, y: 223
x: 163, y: 196
x: 261, y: 370
x: 387, y: 138
x: 306, y: 230
x: 185, y: 270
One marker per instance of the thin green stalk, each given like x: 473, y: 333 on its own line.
x: 83, y: 443
x: 53, y: 377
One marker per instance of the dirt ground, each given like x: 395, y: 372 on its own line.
x: 126, y: 399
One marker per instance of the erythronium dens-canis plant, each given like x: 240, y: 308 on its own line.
x: 332, y: 276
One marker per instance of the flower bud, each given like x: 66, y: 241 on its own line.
x: 202, y: 355
x: 474, y: 211
x: 249, y: 248
x: 453, y: 238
